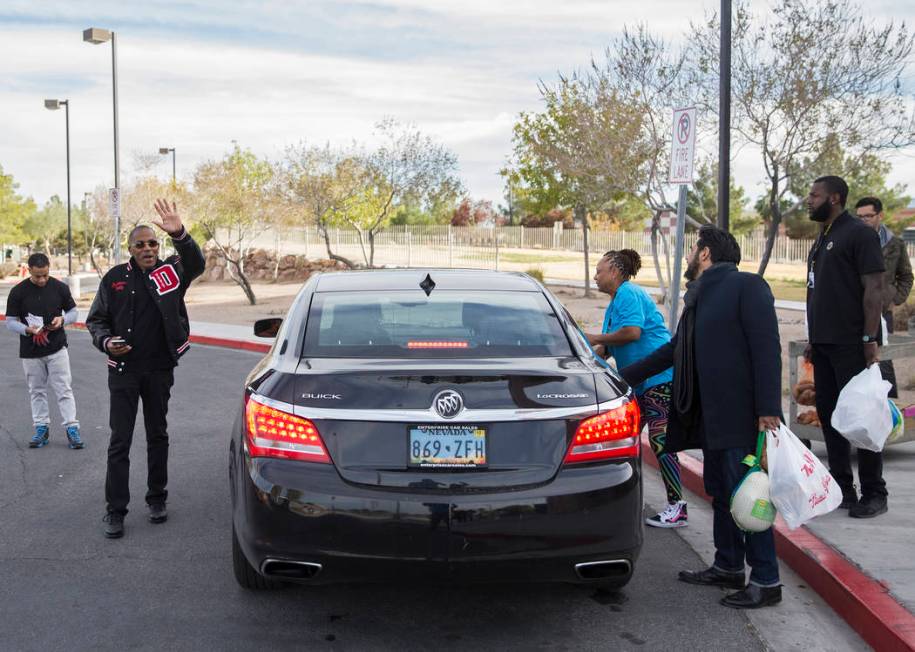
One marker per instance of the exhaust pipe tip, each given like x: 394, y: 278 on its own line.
x: 286, y: 570
x: 604, y: 570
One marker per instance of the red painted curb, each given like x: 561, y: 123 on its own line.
x: 223, y: 342
x: 863, y: 602
x: 230, y: 344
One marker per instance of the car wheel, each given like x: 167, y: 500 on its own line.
x: 245, y: 575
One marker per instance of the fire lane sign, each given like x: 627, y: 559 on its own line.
x: 114, y: 202
x: 683, y: 146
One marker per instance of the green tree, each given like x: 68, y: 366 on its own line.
x: 14, y: 210
x: 232, y: 203
x: 865, y: 173
x: 319, y: 182
x: 44, y: 227
x: 702, y: 200
x: 407, y: 168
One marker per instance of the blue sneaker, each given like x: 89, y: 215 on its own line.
x: 40, y: 438
x: 74, y: 438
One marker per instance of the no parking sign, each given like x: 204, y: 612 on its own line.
x: 683, y: 146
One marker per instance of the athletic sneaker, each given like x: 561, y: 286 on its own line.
x: 73, y: 437
x: 674, y: 515
x: 40, y: 438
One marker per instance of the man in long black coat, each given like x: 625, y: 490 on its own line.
x: 726, y: 357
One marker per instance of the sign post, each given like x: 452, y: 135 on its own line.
x: 114, y: 209
x: 682, y: 155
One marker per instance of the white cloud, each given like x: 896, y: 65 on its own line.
x: 196, y: 75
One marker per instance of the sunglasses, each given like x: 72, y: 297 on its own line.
x: 140, y: 244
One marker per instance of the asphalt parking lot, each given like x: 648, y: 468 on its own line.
x: 63, y: 586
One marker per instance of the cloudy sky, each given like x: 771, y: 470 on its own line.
x: 198, y: 74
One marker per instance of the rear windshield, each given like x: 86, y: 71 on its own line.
x: 446, y: 324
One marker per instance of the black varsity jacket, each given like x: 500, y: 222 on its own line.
x: 112, y: 313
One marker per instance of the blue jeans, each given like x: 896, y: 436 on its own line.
x: 723, y: 471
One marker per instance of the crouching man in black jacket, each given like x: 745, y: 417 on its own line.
x: 139, y: 319
x: 726, y: 357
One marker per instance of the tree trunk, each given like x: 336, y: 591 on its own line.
x: 775, y: 211
x: 655, y: 227
x: 582, y: 215
x: 371, y: 248
x: 331, y: 254
x: 236, y: 271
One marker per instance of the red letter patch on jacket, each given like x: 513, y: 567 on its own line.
x: 165, y: 278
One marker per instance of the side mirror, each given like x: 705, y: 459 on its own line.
x: 267, y: 327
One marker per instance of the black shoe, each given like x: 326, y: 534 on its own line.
x: 869, y: 507
x: 157, y: 513
x: 849, y: 497
x: 114, y: 525
x: 753, y: 597
x: 713, y: 577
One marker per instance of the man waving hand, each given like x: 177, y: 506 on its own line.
x: 140, y: 320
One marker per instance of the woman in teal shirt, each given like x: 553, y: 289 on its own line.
x: 634, y: 328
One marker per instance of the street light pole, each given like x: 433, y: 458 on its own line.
x: 166, y: 150
x: 53, y: 105
x: 724, y: 118
x: 97, y: 35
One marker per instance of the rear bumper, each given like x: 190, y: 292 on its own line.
x: 300, y: 512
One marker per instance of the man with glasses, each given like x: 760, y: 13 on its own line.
x: 139, y: 319
x: 897, y: 279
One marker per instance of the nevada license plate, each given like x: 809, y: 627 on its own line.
x: 447, y: 446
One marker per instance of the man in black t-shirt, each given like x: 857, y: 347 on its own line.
x: 37, y: 309
x: 844, y: 301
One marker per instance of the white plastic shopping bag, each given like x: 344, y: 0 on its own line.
x: 863, y: 414
x: 800, y: 486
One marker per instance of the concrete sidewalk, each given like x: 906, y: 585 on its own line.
x: 881, y: 546
x: 863, y: 568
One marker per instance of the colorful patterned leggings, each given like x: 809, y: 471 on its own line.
x: 655, y: 405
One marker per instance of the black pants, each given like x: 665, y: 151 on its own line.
x: 722, y: 471
x: 886, y: 366
x: 833, y: 366
x: 126, y: 389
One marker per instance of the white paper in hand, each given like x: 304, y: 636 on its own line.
x: 862, y: 413
x: 34, y: 321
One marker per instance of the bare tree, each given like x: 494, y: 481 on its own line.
x: 812, y: 71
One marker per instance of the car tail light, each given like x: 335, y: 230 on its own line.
x: 608, y: 435
x: 274, y: 433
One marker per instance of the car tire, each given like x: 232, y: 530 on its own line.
x: 245, y: 575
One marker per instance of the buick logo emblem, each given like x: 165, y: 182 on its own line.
x: 448, y: 404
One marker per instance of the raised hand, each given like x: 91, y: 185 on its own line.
x: 169, y: 220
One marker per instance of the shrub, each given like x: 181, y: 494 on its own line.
x: 535, y: 272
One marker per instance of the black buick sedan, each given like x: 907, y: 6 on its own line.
x: 434, y: 425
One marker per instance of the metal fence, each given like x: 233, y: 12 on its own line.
x: 557, y: 251
x: 474, y: 246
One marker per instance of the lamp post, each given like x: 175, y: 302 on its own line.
x: 53, y: 105
x: 96, y: 35
x: 724, y: 118
x: 166, y: 150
